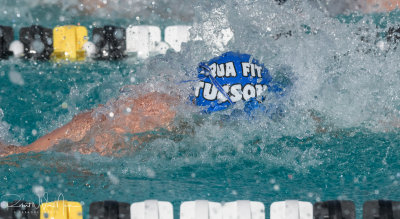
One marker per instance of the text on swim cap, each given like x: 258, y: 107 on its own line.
x: 236, y: 92
x: 228, y: 70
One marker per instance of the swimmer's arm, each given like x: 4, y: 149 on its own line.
x: 69, y: 131
x: 75, y: 130
x: 148, y: 112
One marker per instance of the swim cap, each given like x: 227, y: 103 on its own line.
x: 228, y: 79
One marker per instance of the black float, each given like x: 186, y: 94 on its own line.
x: 6, y: 37
x: 109, y: 210
x: 393, y: 34
x: 110, y: 42
x: 37, y: 41
x: 381, y: 209
x: 334, y: 210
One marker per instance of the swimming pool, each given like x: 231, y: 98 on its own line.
x: 350, y: 83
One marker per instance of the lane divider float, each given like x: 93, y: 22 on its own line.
x: 72, y: 42
x: 201, y: 209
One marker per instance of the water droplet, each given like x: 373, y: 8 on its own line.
x: 4, y: 204
x: 118, y: 34
x: 114, y: 180
x: 38, y: 190
x: 150, y: 173
x: 381, y: 45
x: 16, y: 78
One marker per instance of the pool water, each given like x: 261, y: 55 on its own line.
x: 336, y: 71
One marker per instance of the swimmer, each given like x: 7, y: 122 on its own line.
x: 222, y: 82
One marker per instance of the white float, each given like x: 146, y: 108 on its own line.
x: 201, y: 209
x: 152, y: 209
x: 143, y: 40
x: 291, y: 209
x: 243, y: 209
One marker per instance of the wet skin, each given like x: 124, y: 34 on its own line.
x: 101, y: 133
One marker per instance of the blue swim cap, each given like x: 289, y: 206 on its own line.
x: 230, y: 78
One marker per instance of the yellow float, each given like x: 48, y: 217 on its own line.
x: 68, y: 43
x: 61, y: 210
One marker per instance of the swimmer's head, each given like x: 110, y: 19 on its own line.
x: 230, y: 78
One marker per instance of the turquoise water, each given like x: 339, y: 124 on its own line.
x: 353, y: 153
